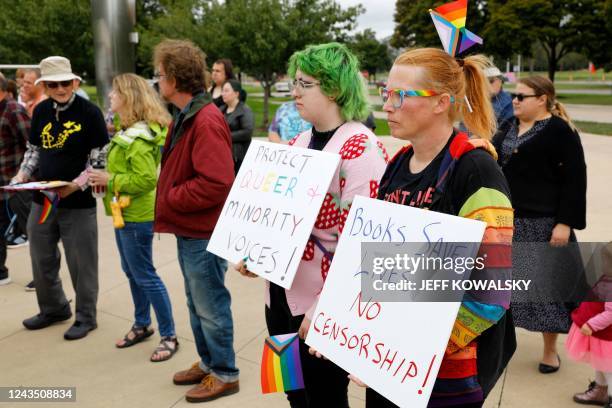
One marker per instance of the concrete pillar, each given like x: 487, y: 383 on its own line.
x: 113, y: 24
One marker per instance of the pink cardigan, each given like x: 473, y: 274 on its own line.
x: 363, y: 162
x: 602, y: 320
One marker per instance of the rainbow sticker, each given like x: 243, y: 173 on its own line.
x: 281, y: 368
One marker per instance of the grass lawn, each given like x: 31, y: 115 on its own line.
x: 584, y: 86
x: 256, y: 105
x: 580, y: 75
x: 92, y: 91
x: 594, y: 127
x: 579, y: 99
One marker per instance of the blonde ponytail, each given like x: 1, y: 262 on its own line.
x: 480, y: 119
x: 558, y: 109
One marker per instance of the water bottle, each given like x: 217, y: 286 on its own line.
x: 98, y: 162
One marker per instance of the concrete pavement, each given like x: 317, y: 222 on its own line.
x: 108, y: 377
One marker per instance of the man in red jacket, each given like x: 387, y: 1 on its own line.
x: 197, y: 172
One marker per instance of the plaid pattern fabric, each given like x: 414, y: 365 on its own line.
x: 14, y: 133
x: 30, y: 161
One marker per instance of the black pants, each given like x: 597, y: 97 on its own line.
x: 5, y: 221
x: 326, y: 384
x: 20, y: 204
x: 375, y: 400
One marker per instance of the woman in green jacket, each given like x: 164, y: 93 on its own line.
x: 131, y: 174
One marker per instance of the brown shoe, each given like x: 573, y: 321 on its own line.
x: 194, y: 375
x: 595, y: 395
x: 211, y: 388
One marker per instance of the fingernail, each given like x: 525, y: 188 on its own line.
x: 245, y: 258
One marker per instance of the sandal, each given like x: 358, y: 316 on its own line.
x: 164, y: 345
x: 140, y: 333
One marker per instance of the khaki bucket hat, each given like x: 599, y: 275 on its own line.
x: 55, y: 69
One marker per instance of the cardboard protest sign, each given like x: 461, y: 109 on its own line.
x: 394, y: 347
x: 272, y: 207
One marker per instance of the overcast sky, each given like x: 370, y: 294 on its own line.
x: 378, y: 15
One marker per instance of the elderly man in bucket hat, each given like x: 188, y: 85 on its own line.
x: 501, y: 100
x: 65, y: 129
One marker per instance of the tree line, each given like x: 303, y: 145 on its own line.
x: 260, y: 35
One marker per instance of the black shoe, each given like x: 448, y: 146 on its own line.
x: 40, y: 321
x: 30, y: 287
x: 5, y: 280
x: 548, y: 369
x: 609, y: 404
x: 79, y: 330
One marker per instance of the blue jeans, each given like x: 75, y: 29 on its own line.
x: 135, y: 243
x: 209, y: 304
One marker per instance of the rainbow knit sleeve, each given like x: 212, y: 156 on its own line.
x: 474, y: 317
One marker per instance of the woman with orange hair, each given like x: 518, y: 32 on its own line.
x: 444, y: 170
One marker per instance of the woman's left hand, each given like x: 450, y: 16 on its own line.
x: 560, y: 235
x: 98, y: 177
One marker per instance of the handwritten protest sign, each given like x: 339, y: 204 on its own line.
x: 272, y: 207
x: 394, y: 347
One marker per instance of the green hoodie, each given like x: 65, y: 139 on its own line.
x: 133, y: 157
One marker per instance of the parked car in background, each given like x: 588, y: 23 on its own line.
x: 282, y: 86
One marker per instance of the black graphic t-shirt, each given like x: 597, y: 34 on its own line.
x: 65, y: 144
x: 475, y: 170
x: 414, y: 189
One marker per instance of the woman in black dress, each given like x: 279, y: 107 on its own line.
x: 542, y: 157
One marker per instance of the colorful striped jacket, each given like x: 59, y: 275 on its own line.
x: 469, y: 184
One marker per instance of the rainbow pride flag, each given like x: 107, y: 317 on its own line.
x: 281, y: 369
x: 449, y: 20
x: 49, y: 205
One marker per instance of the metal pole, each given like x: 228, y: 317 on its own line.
x: 114, y: 40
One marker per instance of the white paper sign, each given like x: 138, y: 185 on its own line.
x: 394, y: 347
x: 272, y: 207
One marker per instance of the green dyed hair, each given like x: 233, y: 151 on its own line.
x: 337, y: 69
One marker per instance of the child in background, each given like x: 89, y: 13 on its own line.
x: 590, y: 338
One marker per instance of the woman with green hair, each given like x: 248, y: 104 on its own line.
x: 330, y: 93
